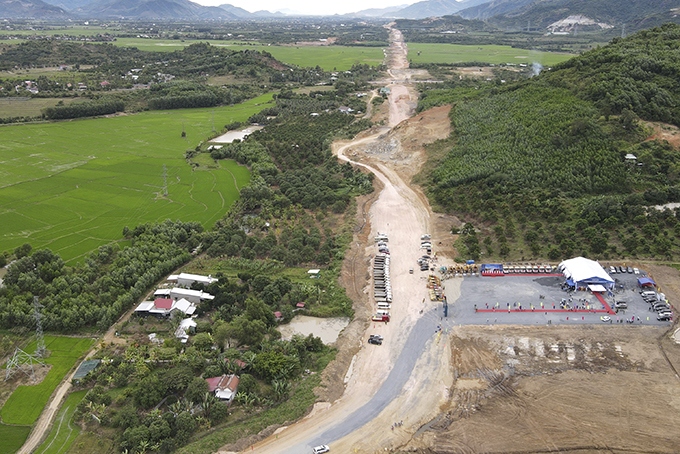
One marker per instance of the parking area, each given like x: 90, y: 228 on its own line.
x: 531, y: 299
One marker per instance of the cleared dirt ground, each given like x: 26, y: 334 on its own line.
x: 557, y: 389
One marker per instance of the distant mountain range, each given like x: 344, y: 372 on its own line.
x: 124, y: 9
x: 436, y: 8
x: 30, y: 9
x: 505, y: 14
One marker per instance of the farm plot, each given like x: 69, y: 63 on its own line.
x: 63, y: 432
x: 330, y: 58
x: 72, y: 186
x: 27, y: 401
x: 492, y: 54
x: 12, y: 437
x: 27, y: 107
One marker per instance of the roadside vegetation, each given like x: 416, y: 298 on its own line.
x: 538, y: 167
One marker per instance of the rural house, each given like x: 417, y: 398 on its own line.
x: 177, y: 293
x: 186, y: 327
x: 163, y: 307
x: 187, y: 280
x: 224, y: 387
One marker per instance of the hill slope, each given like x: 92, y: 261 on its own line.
x: 636, y: 14
x: 153, y: 9
x: 544, y: 160
x: 30, y: 9
x: 435, y: 8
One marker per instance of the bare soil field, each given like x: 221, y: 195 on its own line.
x: 475, y: 71
x: 557, y: 389
x: 664, y: 131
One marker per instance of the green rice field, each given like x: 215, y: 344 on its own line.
x: 63, y: 432
x: 27, y: 401
x: 72, y: 186
x: 12, y: 438
x: 330, y: 58
x: 493, y: 54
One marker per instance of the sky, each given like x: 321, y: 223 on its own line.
x: 317, y: 7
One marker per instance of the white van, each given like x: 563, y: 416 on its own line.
x: 648, y: 293
x: 384, y: 306
x: 383, y: 312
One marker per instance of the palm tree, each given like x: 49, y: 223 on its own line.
x: 176, y: 408
x: 207, y: 403
x: 143, y: 446
x: 281, y: 389
x: 248, y: 358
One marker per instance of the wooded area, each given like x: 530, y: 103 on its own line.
x: 539, y: 165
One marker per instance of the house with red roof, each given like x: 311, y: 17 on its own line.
x: 163, y: 307
x: 224, y: 387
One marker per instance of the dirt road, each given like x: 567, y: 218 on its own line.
x: 382, y: 384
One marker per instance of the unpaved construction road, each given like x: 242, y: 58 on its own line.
x: 468, y: 389
x: 383, y: 383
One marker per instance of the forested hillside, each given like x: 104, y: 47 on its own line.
x: 540, y: 165
x: 636, y: 14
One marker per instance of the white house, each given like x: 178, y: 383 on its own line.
x: 176, y: 293
x: 187, y: 280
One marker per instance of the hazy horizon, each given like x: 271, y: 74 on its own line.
x: 306, y: 7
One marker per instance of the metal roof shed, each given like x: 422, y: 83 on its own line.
x: 646, y: 282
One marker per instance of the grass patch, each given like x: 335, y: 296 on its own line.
x: 90, y: 442
x: 72, y: 186
x: 12, y: 438
x: 28, y: 107
x: 292, y: 409
x: 63, y: 432
x: 330, y: 58
x: 486, y: 53
x: 26, y: 402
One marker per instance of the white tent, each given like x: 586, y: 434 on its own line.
x: 585, y: 272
